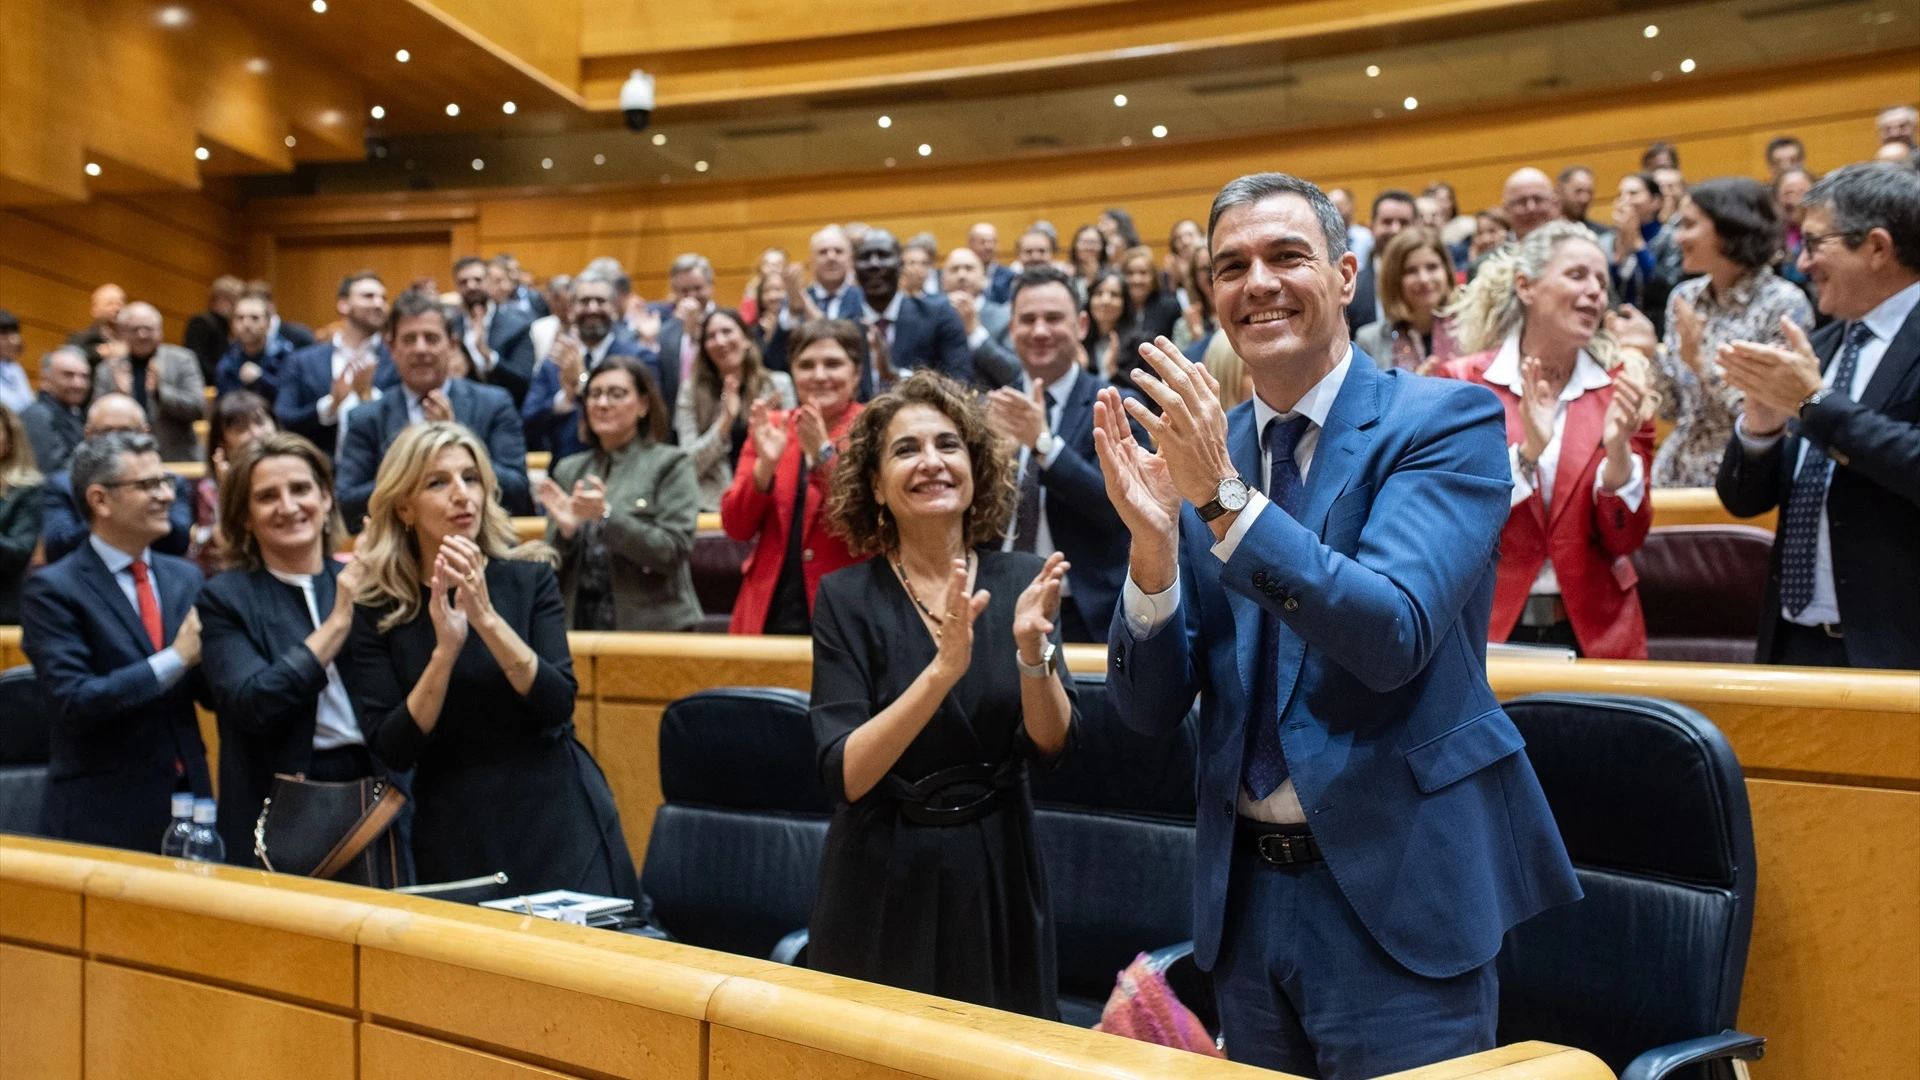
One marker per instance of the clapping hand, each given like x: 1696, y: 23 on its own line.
x: 448, y: 614
x: 186, y: 640
x: 1776, y: 380
x: 435, y: 406
x: 966, y: 307
x: 123, y: 375
x: 568, y: 355
x: 1633, y: 330
x: 466, y: 566
x: 1538, y: 402
x: 1190, y: 433
x: 1625, y: 415
x: 558, y: 505
x: 646, y: 325
x: 346, y: 589
x: 590, y: 498
x: 955, y: 633
x: 1141, y: 488
x: 730, y: 398
x: 1691, y: 329
x: 1038, y: 606
x: 769, y: 443
x: 811, y: 429
x: 250, y: 373
x: 153, y: 376
x: 1020, y: 417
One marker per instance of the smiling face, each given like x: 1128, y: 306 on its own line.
x: 963, y: 273
x: 824, y: 377
x: 592, y: 310
x: 68, y: 379
x: 1637, y: 197
x: 876, y: 266
x: 1105, y: 304
x: 615, y: 407
x: 1576, y: 194
x: 1036, y: 249
x: 249, y: 322
x: 422, y: 351
x: 448, y: 500
x: 133, y: 510
x: 365, y: 305
x: 1792, y: 188
x: 1088, y: 247
x: 831, y: 258
x: 1842, y: 277
x: 1185, y: 235
x: 1140, y: 275
x: 925, y: 470
x: 470, y: 280
x: 287, y: 508
x: 984, y: 239
x: 140, y: 329
x: 1389, y: 218
x: 725, y: 342
x: 1423, y: 280
x: 1281, y: 299
x: 1565, y: 306
x: 1046, y: 329
x: 1701, y: 249
x: 501, y: 284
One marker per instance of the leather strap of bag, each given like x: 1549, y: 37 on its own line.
x: 371, y: 824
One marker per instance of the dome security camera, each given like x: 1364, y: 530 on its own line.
x: 636, y: 100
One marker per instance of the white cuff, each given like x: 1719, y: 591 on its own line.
x: 1147, y: 614
x: 324, y: 412
x: 1522, y: 486
x: 1753, y: 443
x: 560, y: 406
x: 1053, y: 455
x: 1630, y: 492
x: 1230, y: 543
x: 167, y: 667
x: 977, y: 337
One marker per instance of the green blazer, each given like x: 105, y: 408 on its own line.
x: 653, y: 504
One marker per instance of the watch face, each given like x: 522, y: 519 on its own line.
x: 1232, y: 494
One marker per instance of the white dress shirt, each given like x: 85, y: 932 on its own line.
x: 1587, y: 375
x: 1147, y: 614
x: 166, y: 665
x: 892, y: 315
x: 324, y: 409
x: 16, y: 391
x: 333, y: 721
x: 1885, y: 321
x: 1060, y: 389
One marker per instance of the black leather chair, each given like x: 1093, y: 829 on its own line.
x: 715, y: 563
x: 1701, y: 587
x: 735, y: 851
x: 1645, y: 972
x: 26, y: 726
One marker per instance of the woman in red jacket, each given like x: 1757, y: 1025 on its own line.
x: 1580, y: 438
x: 783, y: 473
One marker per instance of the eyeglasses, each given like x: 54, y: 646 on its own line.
x: 151, y: 486
x: 612, y: 395
x: 1809, y: 241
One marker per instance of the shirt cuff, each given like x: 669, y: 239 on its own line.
x: 1230, y: 543
x: 978, y: 337
x: 1630, y: 492
x: 167, y: 667
x: 323, y: 410
x: 1522, y: 486
x: 1755, y: 444
x: 1053, y: 455
x: 1147, y: 614
x: 560, y: 406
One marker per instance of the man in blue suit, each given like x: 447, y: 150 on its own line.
x: 908, y: 332
x: 112, y: 635
x: 498, y: 338
x: 63, y: 522
x: 323, y: 382
x: 422, y: 336
x: 551, y: 414
x: 1318, y: 566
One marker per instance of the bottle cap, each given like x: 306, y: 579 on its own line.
x: 183, y: 804
x: 204, y: 811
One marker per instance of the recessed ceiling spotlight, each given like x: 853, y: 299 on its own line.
x: 319, y: 7
x: 666, y: 178
x: 599, y: 159
x: 403, y: 56
x: 93, y: 169
x: 699, y: 166
x: 330, y: 117
x: 478, y: 164
x: 1126, y: 140
x: 926, y: 150
x: 292, y: 142
x: 1159, y: 131
x: 201, y: 153
x: 258, y: 66
x: 1651, y: 31
x: 509, y: 108
x: 378, y: 112
x: 1379, y: 114
x: 1686, y: 67
x: 453, y: 109
x: 173, y: 16
x: 886, y: 121
x: 1373, y: 71
x: 891, y: 163
x: 546, y: 163
x: 1411, y: 103
x: 1119, y: 101
x: 659, y: 138
x: 1658, y: 75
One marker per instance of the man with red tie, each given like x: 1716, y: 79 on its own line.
x: 112, y: 634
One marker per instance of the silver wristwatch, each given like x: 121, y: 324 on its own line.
x: 1045, y: 669
x: 1229, y: 496
x: 1043, y: 445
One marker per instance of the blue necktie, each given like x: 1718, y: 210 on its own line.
x: 1266, y: 766
x: 1800, y: 521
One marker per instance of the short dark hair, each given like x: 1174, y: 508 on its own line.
x: 1744, y: 213
x: 1784, y: 140
x: 9, y: 322
x: 1391, y: 195
x: 1647, y: 181
x: 1053, y: 241
x: 241, y: 407
x: 238, y: 548
x: 97, y: 461
x: 654, y: 427
x: 1655, y: 149
x: 1567, y: 173
x: 1034, y: 277
x: 849, y: 335
x: 411, y: 305
x: 466, y: 261
x: 1874, y: 195
x: 347, y: 283
x: 1254, y: 187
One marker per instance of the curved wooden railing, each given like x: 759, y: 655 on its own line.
x: 115, y: 964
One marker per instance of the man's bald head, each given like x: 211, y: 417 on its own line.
x: 1529, y: 200
x: 964, y: 273
x: 140, y: 328
x: 832, y: 257
x: 115, y: 412
x: 106, y: 303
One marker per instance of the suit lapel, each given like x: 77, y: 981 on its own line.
x: 1243, y: 445
x: 107, y: 593
x: 179, y: 588
x: 1586, y: 417
x: 460, y: 396
x: 1901, y: 355
x: 1336, y: 455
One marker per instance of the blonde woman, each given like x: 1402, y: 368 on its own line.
x: 20, y: 497
x: 1580, y: 435
x: 459, y: 669
x: 1416, y: 284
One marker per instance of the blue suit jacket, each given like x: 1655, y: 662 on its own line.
x: 226, y: 375
x: 120, y: 742
x: 62, y: 529
x: 1000, y: 283
x: 1081, y: 519
x: 510, y: 337
x: 485, y: 410
x: 1411, y: 776
x: 927, y: 335
x: 560, y: 432
x: 306, y: 377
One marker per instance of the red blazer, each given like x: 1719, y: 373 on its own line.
x: 1590, y: 535
x: 746, y: 511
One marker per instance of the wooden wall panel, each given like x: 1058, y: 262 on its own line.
x: 278, y: 962
x: 745, y: 1055
x: 142, y: 1026
x: 386, y: 1054
x: 628, y: 750
x: 616, y: 27
x: 40, y: 916
x: 307, y: 272
x: 40, y: 1014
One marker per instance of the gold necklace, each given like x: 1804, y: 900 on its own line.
x: 900, y: 571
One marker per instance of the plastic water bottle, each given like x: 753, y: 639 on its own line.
x: 173, y: 843
x: 204, y: 844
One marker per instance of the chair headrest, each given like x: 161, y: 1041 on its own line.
x: 26, y: 720
x: 1114, y: 769
x: 1703, y: 580
x: 1641, y: 785
x: 745, y: 747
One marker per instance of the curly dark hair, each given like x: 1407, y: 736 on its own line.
x: 853, y: 512
x: 1746, y: 216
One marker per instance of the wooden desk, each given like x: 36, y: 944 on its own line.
x: 119, y: 965
x: 1699, y: 506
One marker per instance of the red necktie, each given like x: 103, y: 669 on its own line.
x: 149, y: 603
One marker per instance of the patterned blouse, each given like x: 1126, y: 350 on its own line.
x: 1704, y: 409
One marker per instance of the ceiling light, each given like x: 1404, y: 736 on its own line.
x: 403, y: 56
x: 93, y: 169
x: 1686, y: 66
x: 1379, y: 114
x: 1411, y: 103
x: 478, y: 164
x: 1373, y: 71
x: 699, y: 166
x: 292, y: 142
x: 666, y: 178
x: 509, y: 108
x: 886, y: 121
x: 891, y: 163
x: 659, y: 138
x: 1159, y: 131
x: 174, y: 16
x: 926, y: 150
x: 1119, y: 101
x: 1126, y: 140
x: 546, y: 163
x: 330, y: 117
x: 258, y: 65
x: 599, y: 159
x: 378, y: 112
x: 201, y: 153
x: 1651, y: 31
x: 453, y: 109
x: 319, y: 7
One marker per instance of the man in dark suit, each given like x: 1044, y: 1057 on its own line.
x: 324, y: 382
x: 112, y: 635
x: 690, y: 278
x: 833, y: 290
x: 423, y: 345
x: 296, y: 335
x: 209, y: 332
x: 1062, y: 505
x: 1831, y: 434
x: 551, y: 415
x: 994, y: 362
x: 1368, y: 827
x: 1392, y: 212
x: 63, y: 522
x: 904, y: 333
x: 56, y: 421
x: 984, y: 240
x: 498, y: 338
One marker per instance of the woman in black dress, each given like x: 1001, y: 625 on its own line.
x: 935, y: 682
x: 459, y: 667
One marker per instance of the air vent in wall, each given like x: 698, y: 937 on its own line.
x: 1243, y: 86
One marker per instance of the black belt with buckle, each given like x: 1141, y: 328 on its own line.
x: 1280, y: 845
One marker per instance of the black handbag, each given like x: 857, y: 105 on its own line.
x: 338, y: 830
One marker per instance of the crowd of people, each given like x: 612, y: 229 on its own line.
x: 942, y: 463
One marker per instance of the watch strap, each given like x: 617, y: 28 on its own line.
x: 1049, y: 663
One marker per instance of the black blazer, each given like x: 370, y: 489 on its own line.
x: 20, y: 511
x: 1360, y: 310
x: 850, y: 306
x: 63, y: 530
x: 1081, y: 519
x: 121, y: 745
x: 672, y: 333
x: 54, y: 430
x: 928, y: 335
x: 1873, y: 501
x: 1156, y: 319
x: 485, y: 410
x: 266, y: 686
x: 510, y: 336
x: 306, y: 377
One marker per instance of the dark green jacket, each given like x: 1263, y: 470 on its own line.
x: 653, y: 504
